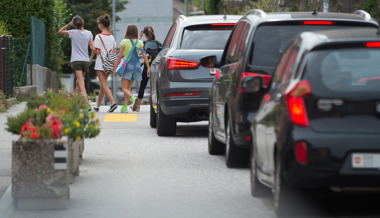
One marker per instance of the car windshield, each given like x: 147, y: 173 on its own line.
x: 270, y: 42
x: 347, y: 70
x: 205, y: 37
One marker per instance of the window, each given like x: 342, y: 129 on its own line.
x: 205, y: 37
x: 233, y: 50
x: 169, y: 37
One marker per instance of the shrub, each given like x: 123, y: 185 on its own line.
x: 3, y: 102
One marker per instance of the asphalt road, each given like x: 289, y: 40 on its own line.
x: 128, y: 171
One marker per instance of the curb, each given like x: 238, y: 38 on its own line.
x: 7, y: 206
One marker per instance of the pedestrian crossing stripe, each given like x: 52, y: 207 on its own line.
x: 120, y: 118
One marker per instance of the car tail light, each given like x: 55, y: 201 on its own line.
x: 248, y: 138
x: 266, y: 79
x: 301, y: 152
x: 223, y: 24
x: 373, y: 44
x: 177, y: 64
x: 317, y: 22
x: 182, y: 94
x: 296, y: 104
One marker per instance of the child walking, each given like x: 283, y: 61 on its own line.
x: 152, y: 48
x: 133, y: 70
x: 80, y: 61
x: 104, y: 42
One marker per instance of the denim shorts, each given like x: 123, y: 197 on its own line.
x: 133, y: 72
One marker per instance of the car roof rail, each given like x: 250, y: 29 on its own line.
x: 257, y: 12
x: 363, y: 14
x: 183, y: 17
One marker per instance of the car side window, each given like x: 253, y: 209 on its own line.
x: 169, y: 38
x: 233, y: 50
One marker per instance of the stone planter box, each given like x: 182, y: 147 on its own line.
x: 40, y: 174
x: 74, y: 158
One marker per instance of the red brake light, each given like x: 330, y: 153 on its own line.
x: 373, y: 44
x: 301, y: 152
x: 176, y: 64
x: 266, y: 78
x: 296, y: 104
x: 182, y: 94
x: 223, y: 24
x: 317, y: 22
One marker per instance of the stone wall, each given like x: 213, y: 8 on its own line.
x: 43, y: 78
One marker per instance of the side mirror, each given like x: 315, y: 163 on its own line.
x: 252, y: 84
x: 209, y: 61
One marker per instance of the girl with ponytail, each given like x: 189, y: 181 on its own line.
x: 104, y: 42
x: 152, y: 48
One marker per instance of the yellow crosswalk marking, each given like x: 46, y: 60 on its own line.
x: 120, y: 118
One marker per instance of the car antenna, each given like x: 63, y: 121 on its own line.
x: 225, y: 15
x: 314, y: 12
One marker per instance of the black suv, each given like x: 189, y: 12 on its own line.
x: 319, y: 124
x: 253, y: 49
x: 179, y: 85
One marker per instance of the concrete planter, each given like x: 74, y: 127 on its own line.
x: 40, y: 174
x: 74, y: 158
x: 81, y: 149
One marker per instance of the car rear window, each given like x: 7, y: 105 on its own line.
x: 346, y: 70
x: 205, y: 37
x: 270, y: 42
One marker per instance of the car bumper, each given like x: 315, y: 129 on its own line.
x: 330, y: 160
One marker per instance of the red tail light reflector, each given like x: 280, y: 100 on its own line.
x: 373, y: 44
x: 176, y: 64
x: 248, y: 138
x: 266, y: 79
x: 301, y: 152
x: 223, y: 24
x: 182, y: 94
x: 296, y: 104
x: 317, y: 22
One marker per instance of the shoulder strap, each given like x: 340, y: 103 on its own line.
x: 103, y: 43
x: 133, y: 49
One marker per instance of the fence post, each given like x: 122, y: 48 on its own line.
x: 2, y: 63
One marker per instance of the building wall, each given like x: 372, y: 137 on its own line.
x: 156, y: 13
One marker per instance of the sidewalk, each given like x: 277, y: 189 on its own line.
x: 6, y: 139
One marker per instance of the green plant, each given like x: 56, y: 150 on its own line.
x: 3, y: 102
x: 43, y: 125
x: 372, y: 7
x: 3, y: 28
x: 75, y: 120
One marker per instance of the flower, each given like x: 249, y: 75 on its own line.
x: 77, y: 123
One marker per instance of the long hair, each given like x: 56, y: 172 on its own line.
x: 105, y: 20
x: 132, y: 32
x: 77, y: 21
x: 149, y: 32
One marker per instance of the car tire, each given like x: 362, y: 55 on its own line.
x: 153, y: 117
x: 215, y: 147
x: 235, y: 156
x: 257, y: 188
x: 166, y: 126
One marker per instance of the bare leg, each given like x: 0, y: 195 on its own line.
x: 80, y: 84
x: 104, y: 88
x: 126, y: 88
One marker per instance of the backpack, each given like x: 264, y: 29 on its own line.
x: 152, y: 48
x: 109, y: 59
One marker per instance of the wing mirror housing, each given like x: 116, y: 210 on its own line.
x: 252, y: 84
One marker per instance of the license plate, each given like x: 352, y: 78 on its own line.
x: 365, y: 160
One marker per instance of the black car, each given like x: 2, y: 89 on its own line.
x: 318, y: 126
x: 179, y: 85
x: 254, y: 49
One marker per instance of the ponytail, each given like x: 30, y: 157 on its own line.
x: 149, y: 32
